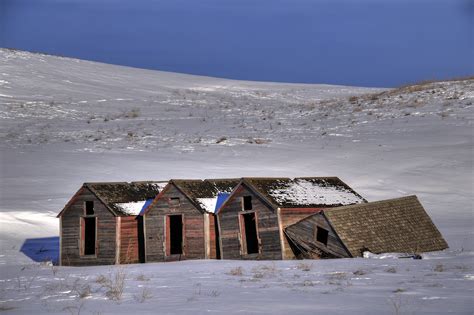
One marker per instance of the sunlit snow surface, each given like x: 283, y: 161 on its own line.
x: 64, y: 122
x: 208, y: 204
x: 131, y: 208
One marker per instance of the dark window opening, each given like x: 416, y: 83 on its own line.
x: 176, y: 234
x: 89, y: 207
x: 322, y: 235
x: 250, y: 231
x: 89, y: 236
x: 174, y: 202
x: 247, y: 200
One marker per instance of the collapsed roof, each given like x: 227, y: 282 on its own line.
x: 395, y: 225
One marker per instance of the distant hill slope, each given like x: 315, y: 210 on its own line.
x: 93, y: 106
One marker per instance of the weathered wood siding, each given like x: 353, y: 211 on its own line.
x: 70, y: 233
x: 155, y: 228
x: 268, y: 230
x: 289, y: 216
x: 129, y: 240
x: 305, y: 232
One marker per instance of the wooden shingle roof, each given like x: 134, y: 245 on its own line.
x: 115, y: 194
x: 395, y: 225
x: 203, y: 193
x: 301, y: 192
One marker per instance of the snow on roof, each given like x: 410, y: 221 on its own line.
x: 207, y: 204
x: 160, y: 185
x: 204, y: 193
x: 305, y: 192
x: 131, y: 208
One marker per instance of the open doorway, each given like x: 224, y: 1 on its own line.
x: 249, y: 233
x: 175, y: 234
x: 216, y: 231
x: 88, y: 235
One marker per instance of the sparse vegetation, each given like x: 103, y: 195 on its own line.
x: 359, y: 272
x: 391, y: 270
x: 114, y: 284
x: 237, y: 271
x: 142, y: 277
x: 145, y: 294
x: 221, y: 139
x: 304, y: 266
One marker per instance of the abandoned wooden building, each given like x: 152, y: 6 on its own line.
x: 247, y: 218
x: 253, y: 218
x: 180, y: 223
x: 100, y: 224
x: 396, y: 225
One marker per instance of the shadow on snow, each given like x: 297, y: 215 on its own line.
x: 42, y: 249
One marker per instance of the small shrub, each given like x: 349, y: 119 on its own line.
x: 308, y: 283
x: 304, y: 266
x: 374, y: 97
x: 353, y: 99
x: 399, y: 290
x: 338, y: 276
x: 101, y: 279
x: 133, y: 113
x: 142, y: 278
x: 261, y: 141
x: 221, y: 139
x: 114, y: 284
x: 258, y: 275
x: 145, y: 295
x: 85, y: 291
x: 360, y: 272
x: 237, y: 271
x: 213, y: 293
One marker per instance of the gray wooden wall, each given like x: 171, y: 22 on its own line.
x: 70, y: 233
x: 268, y: 230
x: 155, y: 228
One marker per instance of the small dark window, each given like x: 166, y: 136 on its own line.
x: 174, y: 202
x: 247, y: 202
x: 89, y: 207
x: 322, y: 235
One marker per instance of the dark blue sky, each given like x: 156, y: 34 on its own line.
x: 353, y: 42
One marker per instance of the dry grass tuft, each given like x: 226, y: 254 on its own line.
x: 114, y: 284
x: 391, y: 270
x: 304, y: 266
x: 237, y: 271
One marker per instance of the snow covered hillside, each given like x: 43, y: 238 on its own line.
x: 65, y: 121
